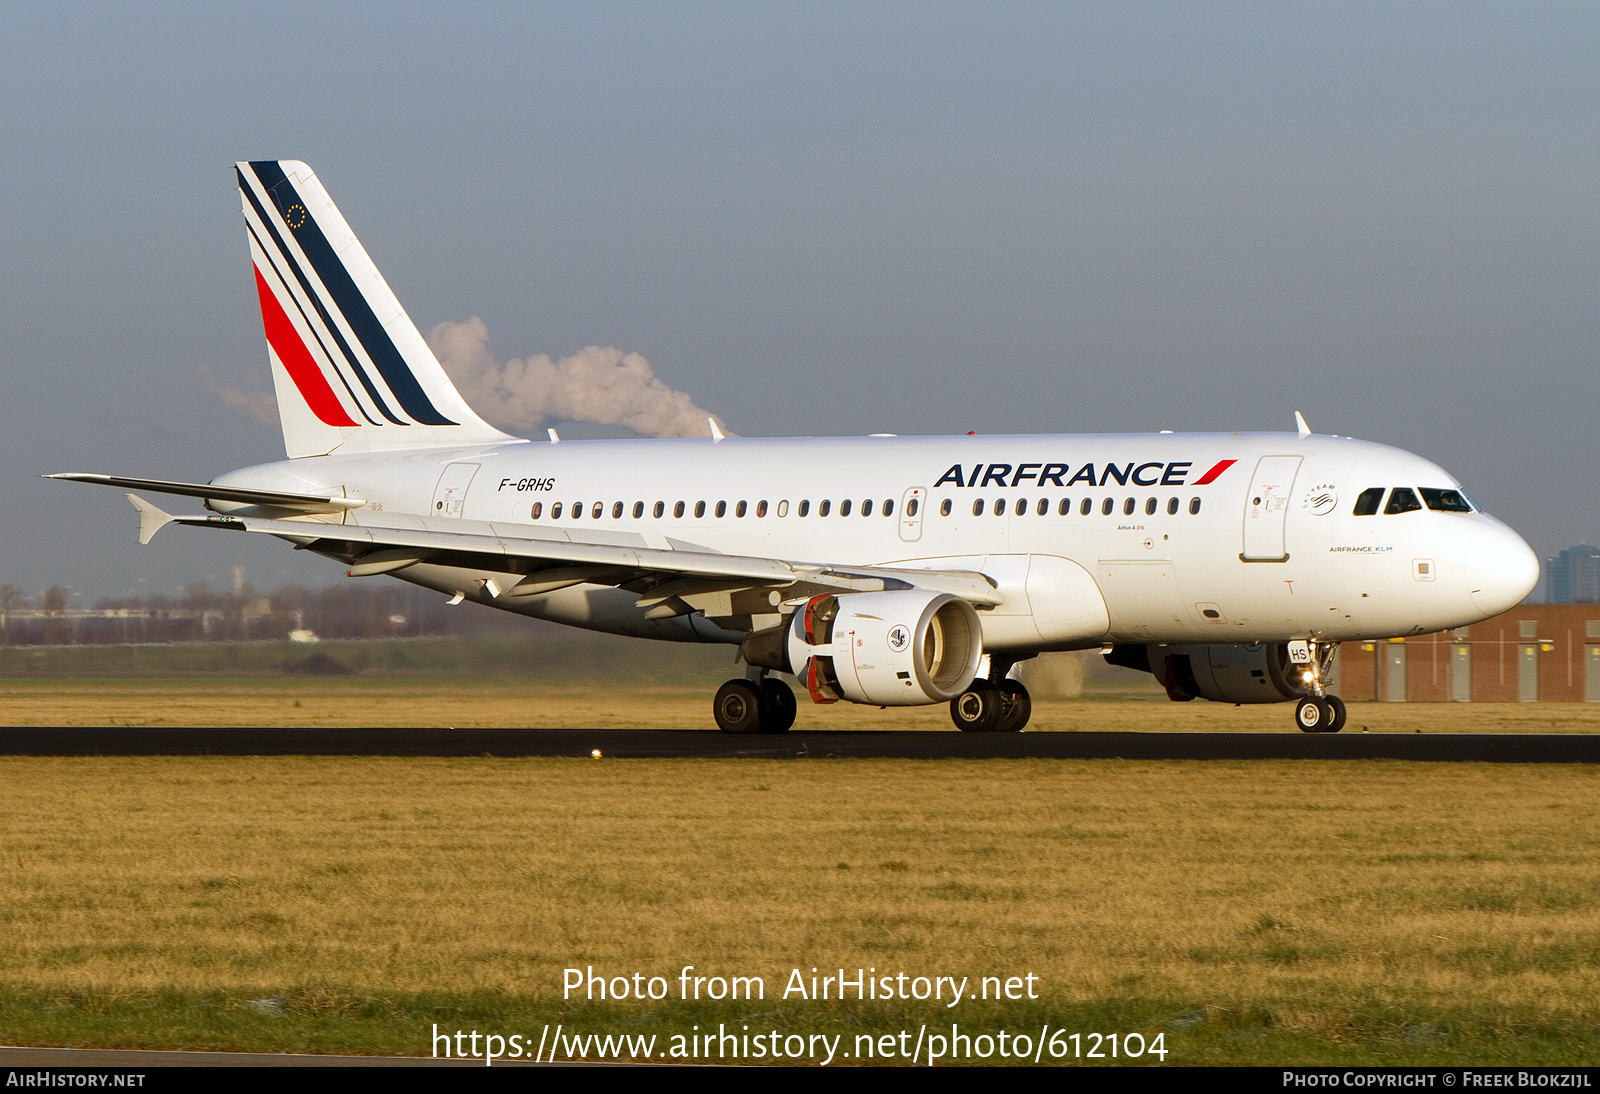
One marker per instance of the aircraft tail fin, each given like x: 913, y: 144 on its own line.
x: 350, y: 368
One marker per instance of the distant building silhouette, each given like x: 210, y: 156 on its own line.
x: 1573, y: 577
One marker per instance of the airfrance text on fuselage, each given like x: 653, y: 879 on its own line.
x: 983, y: 476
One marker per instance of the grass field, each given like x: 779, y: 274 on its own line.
x: 1250, y: 912
x: 475, y: 702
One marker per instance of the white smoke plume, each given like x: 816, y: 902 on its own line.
x: 597, y: 384
x: 251, y: 402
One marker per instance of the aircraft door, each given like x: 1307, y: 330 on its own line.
x: 912, y: 503
x: 1267, y: 507
x: 451, y: 494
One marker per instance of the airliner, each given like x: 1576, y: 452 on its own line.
x: 881, y: 570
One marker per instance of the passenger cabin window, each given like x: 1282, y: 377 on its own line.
x: 1106, y: 507
x: 945, y: 507
x: 977, y: 508
x: 1127, y: 508
x: 1368, y: 501
x: 1022, y: 507
x: 1194, y: 507
x: 616, y: 511
x: 538, y: 507
x: 822, y: 510
x: 740, y: 509
x: 761, y: 508
x: 599, y: 507
x: 1401, y: 500
x: 722, y: 508
x: 1065, y: 507
x: 1445, y: 501
x: 866, y: 508
x: 805, y: 508
x: 1172, y: 507
x: 999, y: 507
x: 699, y: 509
x: 1086, y: 506
x: 844, y: 508
x: 1043, y: 507
x: 555, y: 511
x: 661, y: 507
x: 677, y: 511
x: 888, y: 507
x: 638, y: 510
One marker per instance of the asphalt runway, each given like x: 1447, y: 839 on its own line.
x: 702, y: 744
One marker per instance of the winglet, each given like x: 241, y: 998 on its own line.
x: 151, y: 519
x: 1300, y: 423
x: 555, y: 438
x: 716, y: 434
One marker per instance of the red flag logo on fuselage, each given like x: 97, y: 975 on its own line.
x: 1209, y: 476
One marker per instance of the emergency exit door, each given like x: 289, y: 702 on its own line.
x: 912, y: 503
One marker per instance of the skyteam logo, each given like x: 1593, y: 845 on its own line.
x: 1174, y: 473
x: 899, y: 637
x: 1320, y: 500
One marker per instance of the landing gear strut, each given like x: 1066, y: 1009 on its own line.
x: 1318, y: 712
x: 992, y: 704
x: 754, y: 706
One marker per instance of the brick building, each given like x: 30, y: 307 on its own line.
x: 1533, y: 653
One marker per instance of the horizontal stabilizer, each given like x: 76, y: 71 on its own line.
x: 300, y: 503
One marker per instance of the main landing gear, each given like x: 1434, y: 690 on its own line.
x: 992, y: 704
x: 754, y: 706
x: 1318, y: 712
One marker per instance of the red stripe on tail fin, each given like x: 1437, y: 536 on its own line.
x: 286, y: 343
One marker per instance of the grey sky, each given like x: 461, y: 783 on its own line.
x: 820, y: 219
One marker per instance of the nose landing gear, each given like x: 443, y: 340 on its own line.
x: 1318, y: 712
x: 1324, y: 714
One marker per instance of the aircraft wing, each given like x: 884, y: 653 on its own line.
x: 669, y: 582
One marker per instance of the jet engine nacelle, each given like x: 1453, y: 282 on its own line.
x: 904, y: 648
x: 1259, y: 673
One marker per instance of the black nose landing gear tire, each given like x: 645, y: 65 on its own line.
x: 1336, y: 706
x: 978, y: 709
x: 1313, y: 715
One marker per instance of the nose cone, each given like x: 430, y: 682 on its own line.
x: 1501, y: 570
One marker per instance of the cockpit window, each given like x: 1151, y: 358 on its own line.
x: 1445, y: 501
x: 1367, y: 503
x: 1401, y: 500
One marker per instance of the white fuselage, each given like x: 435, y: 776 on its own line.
x: 1263, y: 552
